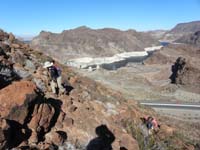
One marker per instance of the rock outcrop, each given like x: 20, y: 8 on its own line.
x: 192, y: 39
x: 86, y: 42
x: 184, y: 73
x: 180, y: 62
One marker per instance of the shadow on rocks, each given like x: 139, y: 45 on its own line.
x: 20, y: 132
x: 68, y: 87
x: 103, y: 141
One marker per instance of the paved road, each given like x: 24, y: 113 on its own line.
x: 187, y: 112
x: 172, y: 105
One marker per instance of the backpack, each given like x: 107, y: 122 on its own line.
x: 53, y: 73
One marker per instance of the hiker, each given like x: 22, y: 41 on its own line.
x: 148, y: 126
x: 151, y: 124
x: 55, y: 78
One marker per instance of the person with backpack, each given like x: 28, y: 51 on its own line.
x: 151, y: 124
x: 55, y: 78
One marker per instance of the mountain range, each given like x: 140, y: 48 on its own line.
x: 86, y: 42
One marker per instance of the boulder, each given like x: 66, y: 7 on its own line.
x: 56, y: 138
x: 15, y: 100
x: 30, y: 65
x: 184, y: 73
x: 22, y: 73
x: 41, y: 118
x: 40, y: 84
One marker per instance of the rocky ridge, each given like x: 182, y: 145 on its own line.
x: 182, y: 29
x: 191, y: 39
x: 86, y: 42
x: 32, y: 118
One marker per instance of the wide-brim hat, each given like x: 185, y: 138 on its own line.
x: 47, y: 64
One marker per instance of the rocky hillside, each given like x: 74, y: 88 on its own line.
x: 182, y: 60
x: 182, y: 29
x: 32, y: 118
x: 157, y: 34
x: 192, y: 39
x: 84, y: 41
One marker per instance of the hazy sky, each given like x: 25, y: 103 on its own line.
x: 24, y: 17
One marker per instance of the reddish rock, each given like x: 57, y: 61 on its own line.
x: 41, y: 118
x: 59, y: 123
x: 33, y: 139
x: 15, y: 99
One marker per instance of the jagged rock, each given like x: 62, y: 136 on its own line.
x: 11, y: 38
x: 44, y: 117
x: 33, y: 139
x: 41, y: 118
x: 184, y: 73
x: 22, y: 73
x: 18, y: 57
x: 59, y: 123
x: 30, y: 65
x: 15, y: 98
x: 40, y: 84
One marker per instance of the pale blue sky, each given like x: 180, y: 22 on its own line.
x: 31, y: 16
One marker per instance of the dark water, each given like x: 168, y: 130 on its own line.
x: 27, y: 42
x: 123, y: 63
x: 164, y: 43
